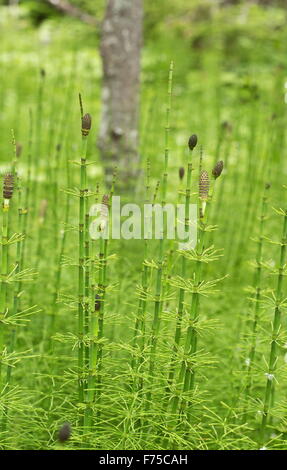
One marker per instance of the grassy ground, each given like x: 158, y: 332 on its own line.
x: 237, y: 109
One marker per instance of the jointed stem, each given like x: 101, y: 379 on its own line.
x: 181, y: 297
x: 81, y: 270
x: 139, y: 330
x: 160, y: 262
x: 276, y: 327
x: 4, y: 272
x: 257, y: 297
x: 187, y: 371
x: 102, y: 292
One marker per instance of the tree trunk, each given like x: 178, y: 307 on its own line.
x: 121, y: 42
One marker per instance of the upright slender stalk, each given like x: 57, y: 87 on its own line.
x: 19, y: 246
x: 143, y: 303
x: 101, y: 297
x: 187, y: 370
x: 160, y: 261
x: 38, y: 136
x: 17, y: 291
x: 181, y: 295
x: 139, y: 324
x: 87, y: 282
x: 276, y: 327
x: 86, y: 126
x: 256, y: 299
x: 26, y: 210
x: 42, y: 214
x: 58, y: 274
x: 8, y: 188
x: 93, y: 333
x: 60, y: 145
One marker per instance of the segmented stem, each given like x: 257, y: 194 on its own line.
x: 256, y: 298
x: 276, y: 327
x: 160, y: 261
x: 81, y: 268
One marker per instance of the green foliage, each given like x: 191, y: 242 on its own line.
x: 202, y: 384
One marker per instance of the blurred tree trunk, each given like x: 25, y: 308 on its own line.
x: 121, y: 40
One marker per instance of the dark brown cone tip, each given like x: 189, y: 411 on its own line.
x: 18, y: 149
x: 97, y: 303
x: 192, y: 141
x: 64, y: 432
x: 203, y: 185
x: 227, y: 126
x: 8, y: 185
x: 217, y: 170
x: 181, y: 173
x: 86, y: 124
x: 105, y: 199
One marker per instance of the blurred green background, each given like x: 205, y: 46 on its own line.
x: 223, y: 50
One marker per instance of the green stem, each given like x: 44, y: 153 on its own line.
x: 181, y: 296
x: 276, y: 327
x: 93, y: 331
x: 81, y: 270
x: 16, y: 298
x: 187, y: 371
x: 256, y: 298
x: 25, y: 212
x: 87, y: 285
x: 4, y: 273
x: 160, y: 261
x: 138, y: 336
x: 102, y: 292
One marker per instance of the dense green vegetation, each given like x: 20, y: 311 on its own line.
x: 179, y: 350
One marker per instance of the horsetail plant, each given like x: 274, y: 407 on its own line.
x: 17, y: 290
x: 87, y: 281
x: 278, y: 302
x: 39, y: 132
x: 63, y: 436
x: 97, y: 320
x: 144, y: 294
x: 191, y: 144
x: 158, y: 290
x: 140, y: 329
x: 42, y: 215
x: 196, y: 286
x: 8, y: 189
x: 65, y: 432
x: 139, y: 323
x: 58, y: 274
x: 181, y: 172
x: 17, y: 275
x: 256, y: 298
x: 26, y: 209
x: 60, y: 145
x: 86, y: 127
x: 96, y: 323
x: 93, y: 333
x: 101, y: 293
x: 19, y: 246
x: 205, y: 195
